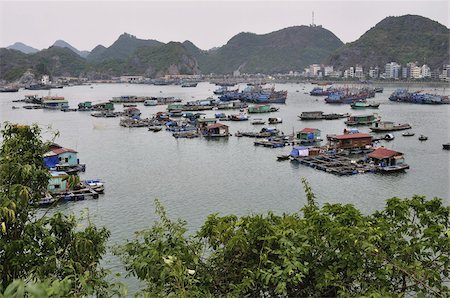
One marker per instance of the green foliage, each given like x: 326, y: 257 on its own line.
x: 47, y: 248
x: 330, y: 251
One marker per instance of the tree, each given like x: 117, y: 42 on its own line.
x: 330, y: 251
x: 49, y: 248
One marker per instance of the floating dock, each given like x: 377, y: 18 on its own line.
x: 335, y: 164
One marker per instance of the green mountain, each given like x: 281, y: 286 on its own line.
x: 13, y: 63
x: 288, y: 49
x: 122, y: 48
x: 403, y: 39
x: 54, y: 61
x: 152, y: 61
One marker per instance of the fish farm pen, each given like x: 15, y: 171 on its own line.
x: 335, y: 164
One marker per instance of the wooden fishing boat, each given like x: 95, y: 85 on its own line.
x: 384, y: 126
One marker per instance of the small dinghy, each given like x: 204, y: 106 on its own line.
x: 408, y: 134
x: 389, y: 137
x: 423, y: 138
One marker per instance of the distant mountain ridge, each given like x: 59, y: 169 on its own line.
x: 19, y: 46
x: 63, y: 44
x: 292, y: 48
x: 403, y: 39
x: 122, y: 48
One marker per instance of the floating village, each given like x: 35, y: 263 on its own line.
x: 353, y: 151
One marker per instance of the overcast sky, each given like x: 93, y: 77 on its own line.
x: 85, y: 24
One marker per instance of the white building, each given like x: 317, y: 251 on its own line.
x: 426, y: 71
x: 392, y: 70
x: 131, y: 79
x: 45, y: 80
x: 327, y: 70
x: 314, y: 70
x: 359, y: 73
x: 374, y: 72
x: 416, y: 72
x: 349, y: 73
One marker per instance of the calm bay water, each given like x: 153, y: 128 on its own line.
x: 196, y: 177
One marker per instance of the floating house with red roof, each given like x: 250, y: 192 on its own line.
x: 388, y: 160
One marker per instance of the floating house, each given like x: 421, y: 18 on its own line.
x: 362, y: 119
x: 388, y: 126
x: 205, y: 122
x: 85, y: 106
x: 175, y: 106
x: 54, y: 103
x: 57, y: 182
x: 132, y: 112
x: 216, y: 130
x: 261, y: 109
x: 311, y: 115
x: 309, y: 136
x: 104, y: 106
x: 63, y: 159
x: 150, y: 102
x: 350, y: 141
x: 388, y: 160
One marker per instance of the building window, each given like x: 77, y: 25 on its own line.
x: 56, y: 186
x: 67, y: 159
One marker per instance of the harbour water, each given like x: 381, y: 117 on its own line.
x: 196, y: 177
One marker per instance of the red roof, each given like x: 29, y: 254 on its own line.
x: 309, y: 129
x: 381, y: 153
x: 62, y: 150
x: 353, y: 136
x: 216, y: 125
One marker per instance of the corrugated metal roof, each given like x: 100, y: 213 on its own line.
x: 217, y: 125
x: 380, y: 153
x: 308, y: 129
x: 353, y: 136
x: 63, y: 150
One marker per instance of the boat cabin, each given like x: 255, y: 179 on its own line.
x: 384, y: 157
x: 216, y: 130
x: 350, y: 141
x: 175, y: 106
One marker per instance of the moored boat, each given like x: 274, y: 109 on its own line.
x: 408, y: 134
x: 383, y: 126
x: 423, y: 138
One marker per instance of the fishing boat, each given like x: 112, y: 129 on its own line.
x: 311, y: 115
x: 258, y: 121
x: 275, y: 120
x: 155, y: 128
x: 389, y: 137
x: 408, y: 134
x: 361, y: 119
x: 363, y: 105
x: 423, y: 138
x: 383, y: 126
x: 129, y: 105
x: 189, y: 84
x: 334, y: 116
x: 402, y: 95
